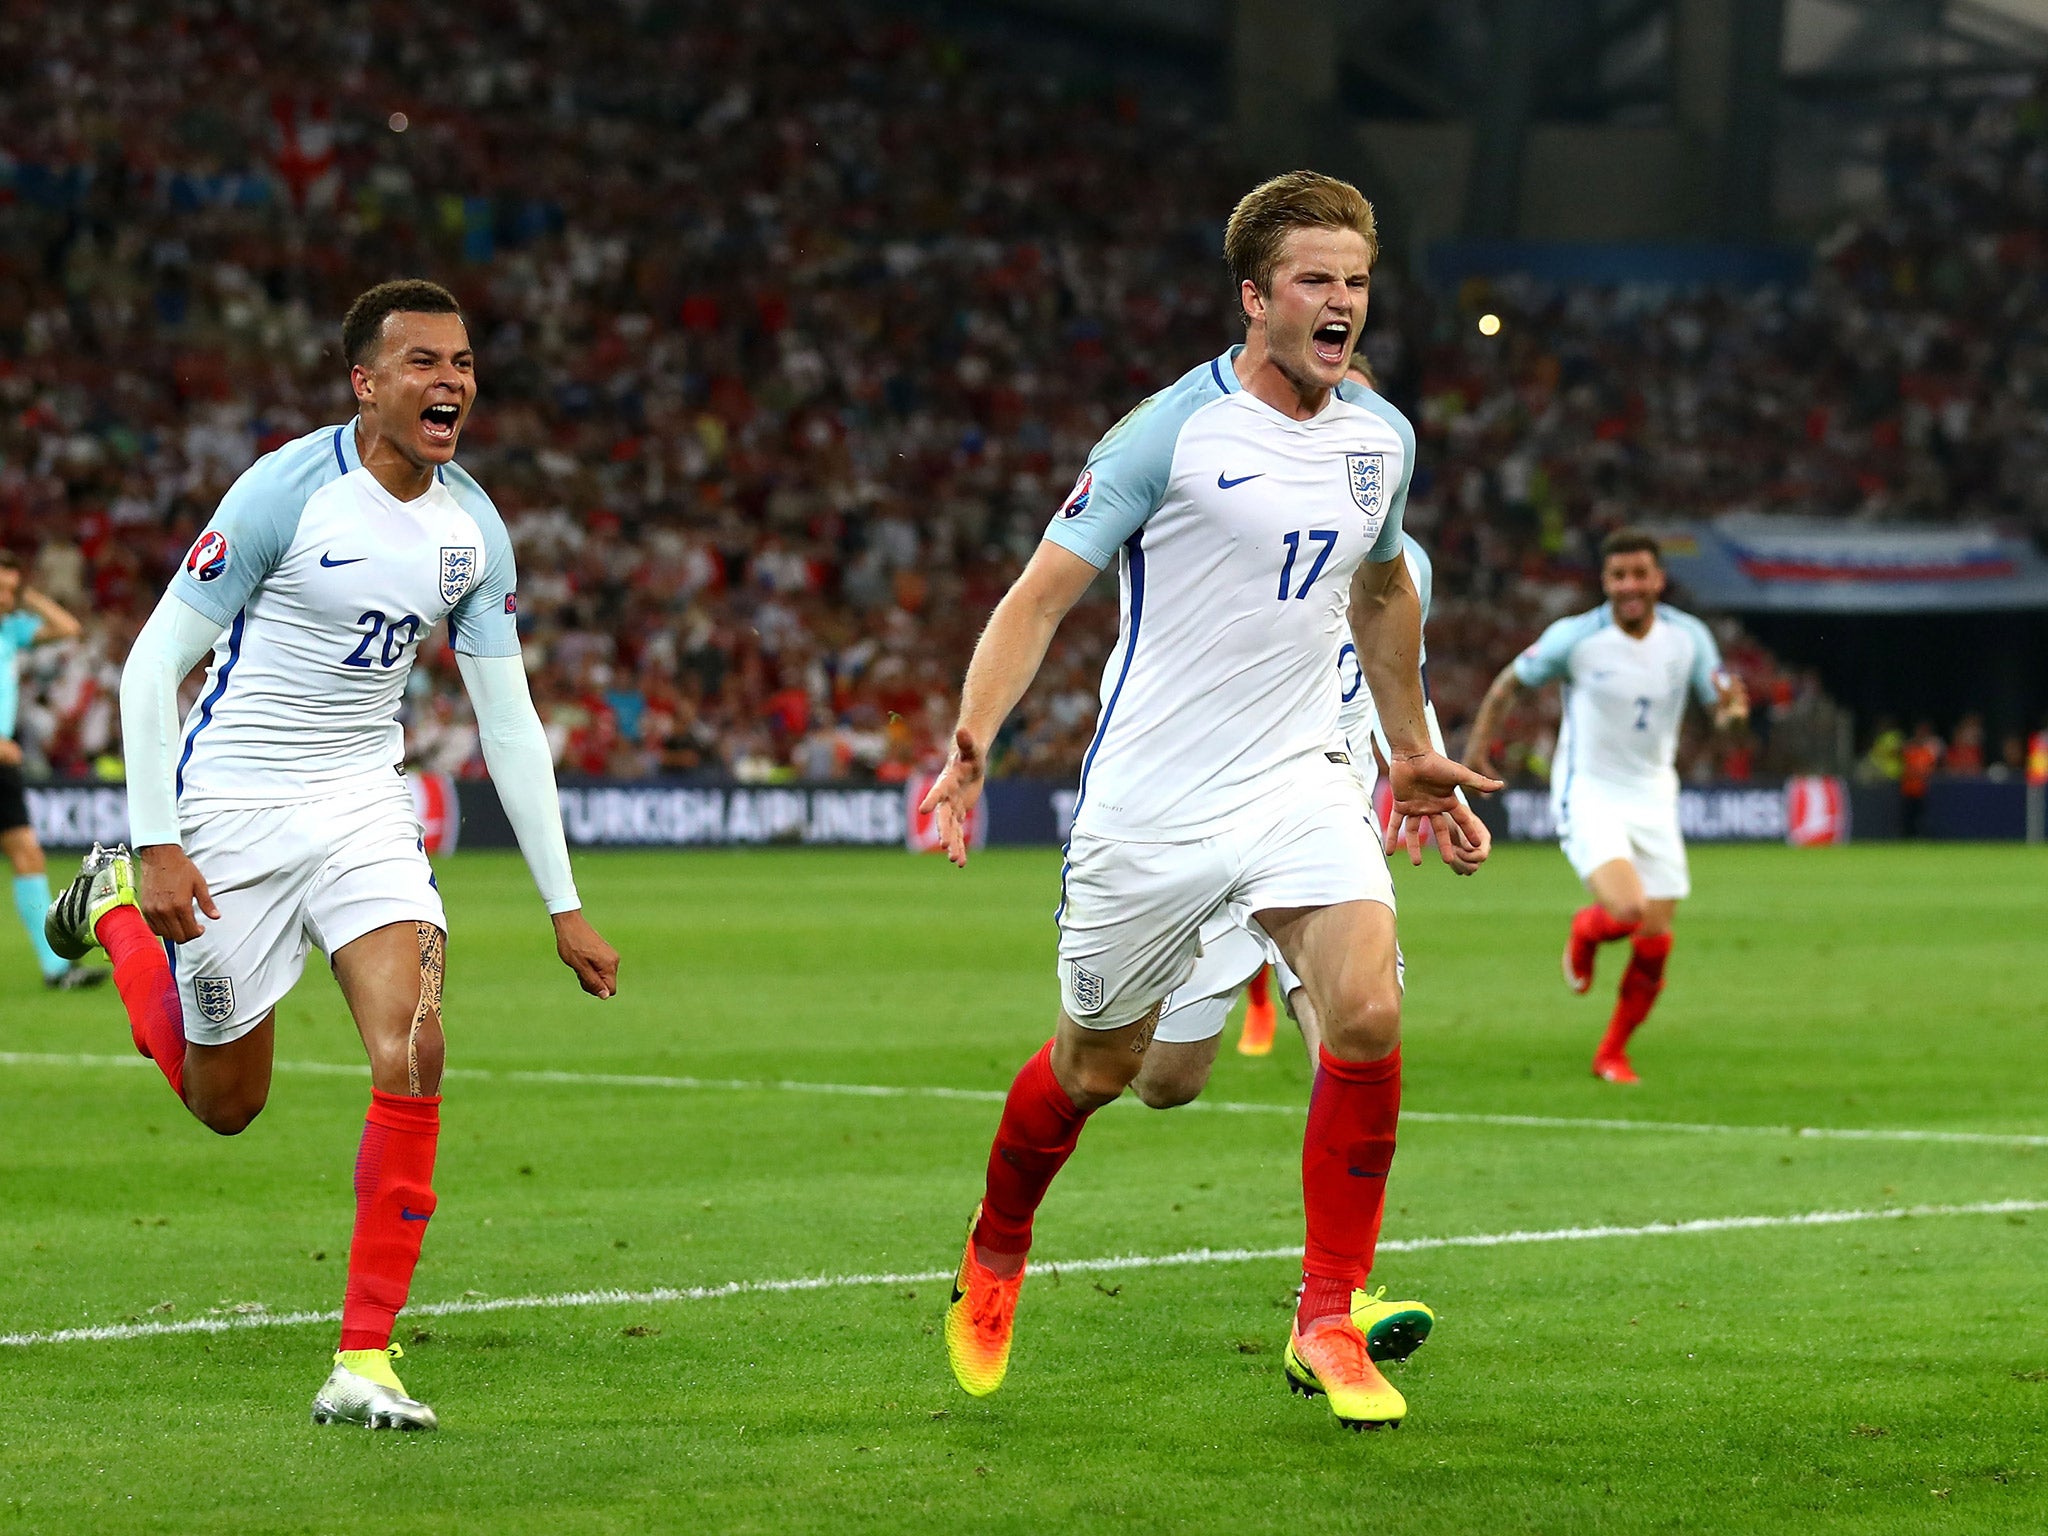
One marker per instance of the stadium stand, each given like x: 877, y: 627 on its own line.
x: 772, y: 429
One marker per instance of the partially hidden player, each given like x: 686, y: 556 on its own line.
x: 1626, y: 668
x: 277, y: 820
x: 28, y: 618
x: 1183, y: 1049
x: 1252, y: 508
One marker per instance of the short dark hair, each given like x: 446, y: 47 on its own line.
x: 1631, y: 541
x: 364, y: 322
x: 10, y: 561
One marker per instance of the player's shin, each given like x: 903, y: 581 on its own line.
x: 1039, y: 1129
x: 149, y: 993
x: 1345, y: 1154
x: 1640, y: 985
x: 394, y: 1197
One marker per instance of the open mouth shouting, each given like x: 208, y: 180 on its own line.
x: 438, y: 422
x: 1332, y: 343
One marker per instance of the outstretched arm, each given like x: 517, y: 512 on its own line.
x: 58, y: 621
x: 1006, y: 659
x: 1493, y: 710
x: 1386, y: 626
x: 170, y: 645
x: 515, y: 746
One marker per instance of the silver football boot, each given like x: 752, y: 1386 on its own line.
x: 106, y: 880
x: 363, y: 1389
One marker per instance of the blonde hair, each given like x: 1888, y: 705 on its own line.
x: 1298, y: 200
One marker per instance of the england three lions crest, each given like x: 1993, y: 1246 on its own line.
x: 458, y: 572
x: 1367, y: 473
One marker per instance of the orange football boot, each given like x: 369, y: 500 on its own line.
x: 1332, y: 1359
x: 1256, y: 1039
x: 980, y: 1321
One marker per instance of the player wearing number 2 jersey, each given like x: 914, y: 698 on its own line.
x: 1627, y: 668
x: 1253, y: 510
x: 275, y: 821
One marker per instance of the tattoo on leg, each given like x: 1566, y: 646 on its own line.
x: 1142, y: 1040
x: 433, y: 965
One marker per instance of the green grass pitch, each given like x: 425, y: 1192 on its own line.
x: 1874, y: 1376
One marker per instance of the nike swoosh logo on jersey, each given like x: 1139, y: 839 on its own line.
x: 1224, y: 483
x: 330, y: 562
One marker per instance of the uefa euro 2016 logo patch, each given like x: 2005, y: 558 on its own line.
x: 458, y: 570
x: 1087, y: 991
x: 209, y: 557
x: 1077, y: 499
x: 215, y: 996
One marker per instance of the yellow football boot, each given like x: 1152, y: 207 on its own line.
x: 1393, y: 1330
x: 1332, y: 1360
x: 980, y: 1320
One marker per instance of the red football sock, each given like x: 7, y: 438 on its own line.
x: 1345, y: 1155
x: 394, y: 1198
x: 1260, y: 992
x: 1640, y: 984
x: 1591, y: 925
x: 1039, y: 1128
x: 142, y: 975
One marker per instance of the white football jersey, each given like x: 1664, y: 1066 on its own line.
x: 327, y: 584
x: 1237, y: 530
x: 1624, y: 698
x: 1356, y: 713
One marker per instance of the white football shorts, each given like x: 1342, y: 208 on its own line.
x: 1598, y: 825
x: 1132, y: 913
x: 289, y: 878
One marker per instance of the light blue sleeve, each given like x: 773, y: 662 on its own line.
x: 1388, y: 545
x: 252, y: 528
x: 486, y: 621
x: 1425, y: 572
x: 19, y: 631
x: 1125, y: 478
x: 1706, y: 656
x: 1549, y: 660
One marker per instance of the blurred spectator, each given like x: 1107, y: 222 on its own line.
x: 1919, y: 760
x: 795, y: 321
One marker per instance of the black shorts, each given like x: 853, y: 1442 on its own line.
x: 13, y: 800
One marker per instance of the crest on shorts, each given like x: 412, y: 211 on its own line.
x: 1087, y: 990
x: 1367, y: 473
x: 215, y: 996
x: 458, y: 570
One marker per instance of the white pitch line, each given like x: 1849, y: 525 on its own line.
x: 242, y: 1321
x: 996, y: 1096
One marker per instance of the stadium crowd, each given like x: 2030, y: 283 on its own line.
x: 791, y: 337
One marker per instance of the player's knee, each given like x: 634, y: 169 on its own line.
x: 227, y: 1114
x: 1625, y: 910
x: 1364, y: 1027
x: 1167, y: 1090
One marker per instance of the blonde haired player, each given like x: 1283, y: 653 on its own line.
x: 1253, y: 512
x: 1626, y: 668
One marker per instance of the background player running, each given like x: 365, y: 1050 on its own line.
x: 1626, y: 668
x: 278, y: 813
x: 27, y: 618
x: 1252, y: 508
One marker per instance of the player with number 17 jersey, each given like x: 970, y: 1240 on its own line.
x: 1253, y: 511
